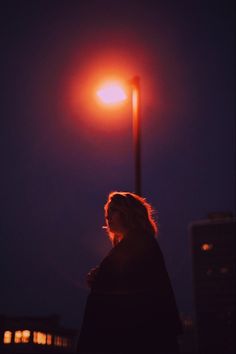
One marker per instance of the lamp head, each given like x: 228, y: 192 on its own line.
x: 111, y: 93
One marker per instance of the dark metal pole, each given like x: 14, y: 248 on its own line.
x: 136, y: 110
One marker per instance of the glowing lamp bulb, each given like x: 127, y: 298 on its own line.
x: 111, y: 93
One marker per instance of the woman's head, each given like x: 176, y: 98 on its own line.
x: 128, y: 213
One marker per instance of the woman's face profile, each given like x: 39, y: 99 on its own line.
x: 114, y: 221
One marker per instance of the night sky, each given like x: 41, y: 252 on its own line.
x: 62, y: 152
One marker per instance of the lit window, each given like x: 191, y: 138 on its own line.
x: 39, y: 338
x: 25, y: 336
x: 7, y: 337
x: 206, y: 247
x: 35, y: 337
x: 49, y: 339
x: 58, y: 341
x: 18, y: 337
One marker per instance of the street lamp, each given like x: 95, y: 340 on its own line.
x: 113, y: 93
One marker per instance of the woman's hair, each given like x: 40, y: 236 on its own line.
x: 136, y: 214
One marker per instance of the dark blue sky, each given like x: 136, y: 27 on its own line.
x: 60, y: 161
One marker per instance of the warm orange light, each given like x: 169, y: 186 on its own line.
x: 7, y: 337
x: 49, y: 339
x: 207, y: 247
x: 39, y: 338
x: 18, y: 337
x: 25, y: 336
x: 58, y: 341
x: 111, y: 93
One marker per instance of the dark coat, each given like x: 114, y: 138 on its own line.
x: 131, y: 307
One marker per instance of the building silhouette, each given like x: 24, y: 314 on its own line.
x: 213, y: 260
x: 24, y: 335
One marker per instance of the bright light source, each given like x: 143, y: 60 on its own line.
x: 7, y: 337
x: 39, y: 338
x: 49, y: 339
x: 111, y: 93
x: 25, y: 336
x: 206, y: 247
x: 18, y: 337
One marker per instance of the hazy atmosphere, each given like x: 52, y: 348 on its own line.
x: 63, y: 152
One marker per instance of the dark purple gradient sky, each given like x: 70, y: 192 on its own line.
x: 59, y: 164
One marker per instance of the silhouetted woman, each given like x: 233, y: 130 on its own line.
x: 131, y: 307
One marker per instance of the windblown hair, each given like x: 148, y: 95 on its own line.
x: 136, y: 213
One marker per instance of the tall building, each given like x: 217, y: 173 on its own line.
x: 213, y: 260
x: 21, y: 335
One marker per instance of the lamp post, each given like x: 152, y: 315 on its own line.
x: 112, y: 93
x: 136, y: 110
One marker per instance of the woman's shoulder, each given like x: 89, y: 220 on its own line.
x: 135, y: 247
